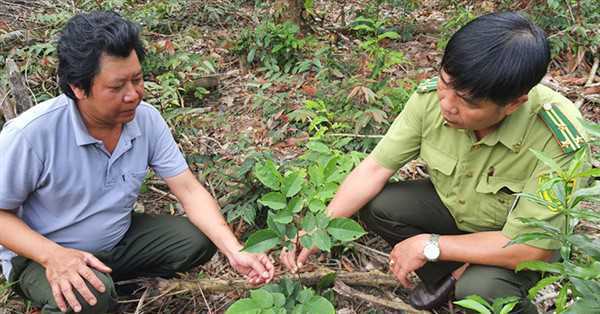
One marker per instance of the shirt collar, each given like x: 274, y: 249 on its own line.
x: 512, y: 129
x: 131, y: 129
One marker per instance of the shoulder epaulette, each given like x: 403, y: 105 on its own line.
x: 562, y: 129
x: 427, y: 86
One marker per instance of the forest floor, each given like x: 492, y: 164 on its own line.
x: 246, y: 113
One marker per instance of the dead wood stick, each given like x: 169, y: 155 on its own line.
x: 589, y: 81
x: 163, y: 193
x: 549, y: 82
x: 345, y: 290
x: 19, y: 90
x: 371, y: 279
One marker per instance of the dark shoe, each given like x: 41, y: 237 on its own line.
x: 422, y: 298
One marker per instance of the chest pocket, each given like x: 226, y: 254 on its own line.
x: 131, y: 182
x: 440, y: 165
x: 498, y: 196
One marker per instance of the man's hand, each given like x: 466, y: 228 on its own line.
x: 257, y: 268
x: 294, y: 260
x: 406, y: 257
x: 69, y: 268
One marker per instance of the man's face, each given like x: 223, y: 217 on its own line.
x: 116, y: 91
x: 459, y: 112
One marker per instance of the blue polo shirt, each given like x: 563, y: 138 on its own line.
x: 65, y: 185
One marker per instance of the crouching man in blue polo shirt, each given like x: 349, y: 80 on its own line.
x: 70, y: 171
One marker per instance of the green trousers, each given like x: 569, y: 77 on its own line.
x: 404, y: 209
x: 154, y: 246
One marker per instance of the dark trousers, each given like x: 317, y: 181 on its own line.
x: 154, y: 246
x: 405, y: 209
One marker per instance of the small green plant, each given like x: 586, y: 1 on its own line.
x: 577, y: 275
x: 286, y: 297
x: 375, y: 33
x: 298, y: 198
x: 481, y: 306
x: 276, y: 47
x: 461, y: 16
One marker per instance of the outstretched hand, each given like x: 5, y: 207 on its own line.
x: 406, y: 257
x: 256, y: 268
x: 294, y: 259
x: 70, y: 268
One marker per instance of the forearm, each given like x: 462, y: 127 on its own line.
x: 359, y: 187
x: 19, y: 238
x: 203, y: 211
x: 488, y: 248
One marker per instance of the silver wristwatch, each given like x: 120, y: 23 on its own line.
x: 432, y: 248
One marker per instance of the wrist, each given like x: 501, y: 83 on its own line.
x: 232, y: 248
x: 431, y: 249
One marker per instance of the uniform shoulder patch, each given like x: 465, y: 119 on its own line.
x: 427, y: 86
x: 562, y: 128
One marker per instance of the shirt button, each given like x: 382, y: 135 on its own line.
x: 476, y: 146
x: 461, y: 202
x: 469, y: 174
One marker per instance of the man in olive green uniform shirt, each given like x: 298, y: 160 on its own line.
x: 474, y: 126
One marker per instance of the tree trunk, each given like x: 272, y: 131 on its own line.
x: 20, y: 100
x: 293, y: 11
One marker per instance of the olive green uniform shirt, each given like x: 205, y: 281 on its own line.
x: 477, y: 179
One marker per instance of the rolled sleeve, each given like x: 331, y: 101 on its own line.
x: 20, y: 168
x: 166, y: 159
x: 402, y: 141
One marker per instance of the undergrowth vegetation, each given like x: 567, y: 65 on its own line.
x: 272, y: 115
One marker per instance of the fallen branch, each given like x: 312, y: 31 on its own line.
x: 343, y: 289
x: 353, y: 135
x: 369, y: 279
x: 163, y: 193
x: 589, y: 81
x: 549, y: 82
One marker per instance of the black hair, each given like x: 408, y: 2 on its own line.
x: 497, y: 57
x: 83, y: 40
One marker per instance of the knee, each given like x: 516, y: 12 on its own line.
x: 486, y: 282
x: 104, y: 300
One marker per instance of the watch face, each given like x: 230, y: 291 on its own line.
x: 431, y: 252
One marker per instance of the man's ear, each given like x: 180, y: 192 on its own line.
x: 515, y: 104
x: 79, y: 92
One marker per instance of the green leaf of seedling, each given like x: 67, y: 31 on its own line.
x: 279, y: 228
x: 273, y: 200
x: 504, y: 305
x: 389, y: 35
x: 555, y: 268
x: 322, y: 240
x: 322, y: 220
x: 588, y: 246
x: 473, y: 305
x: 306, y: 241
x: 585, y: 193
x: 548, y: 161
x: 541, y: 284
x: 295, y: 205
x: 263, y: 298
x: 244, y: 306
x: 305, y: 295
x: 583, y: 306
x: 587, y: 288
x: 585, y: 214
x: 318, y: 147
x: 542, y: 224
x: 318, y: 304
x: 589, y: 272
x: 291, y: 231
x: 283, y: 217
x: 261, y: 241
x: 531, y: 236
x: 266, y: 172
x: 251, y: 54
x: 561, y: 299
x: 309, y: 222
x: 316, y: 205
x: 592, y: 128
x: 278, y: 299
x: 535, y: 199
x: 292, y: 183
x: 594, y: 172
x: 345, y: 229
